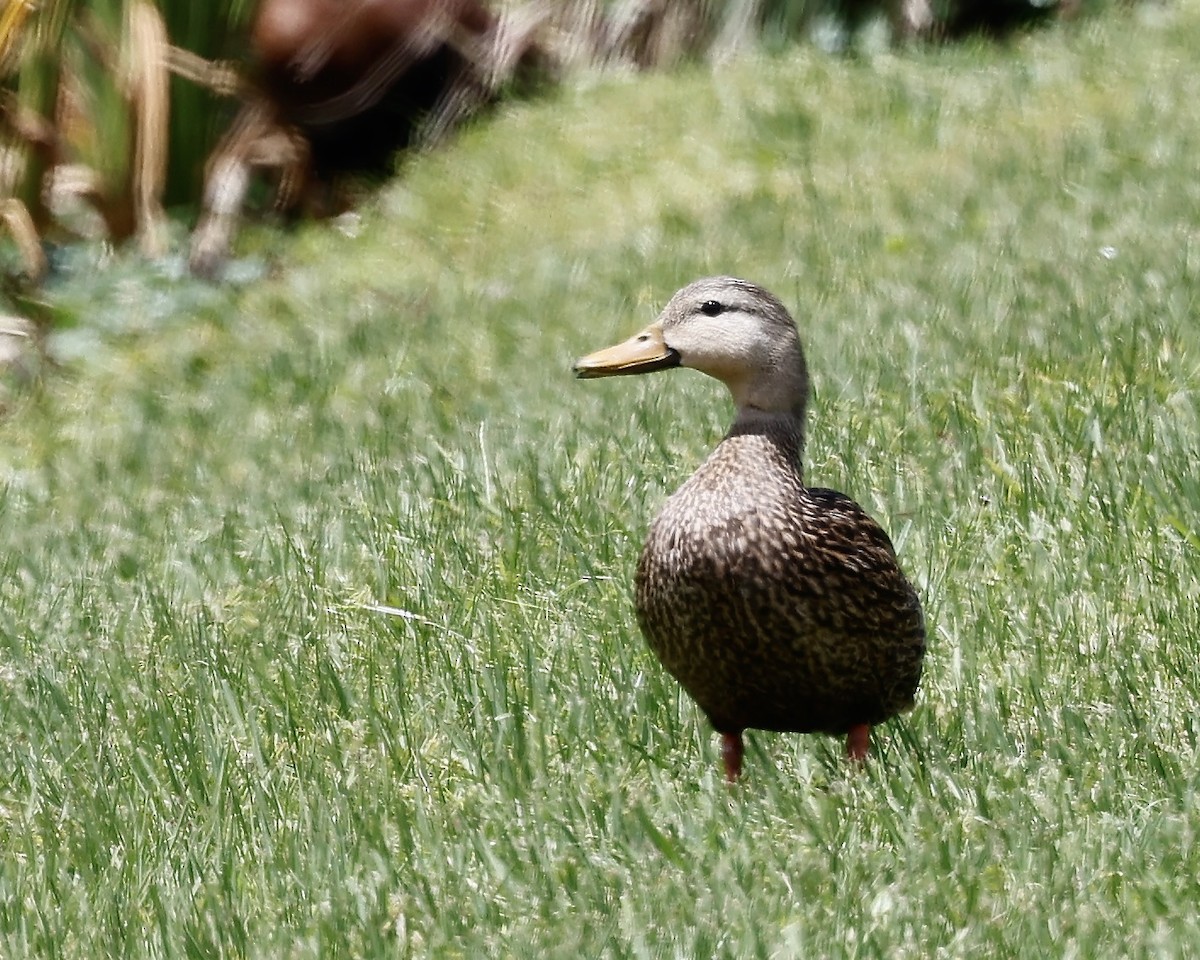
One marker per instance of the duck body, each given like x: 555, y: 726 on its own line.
x: 776, y: 605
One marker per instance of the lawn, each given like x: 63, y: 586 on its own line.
x: 316, y: 626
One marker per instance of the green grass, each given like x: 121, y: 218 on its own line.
x: 218, y: 742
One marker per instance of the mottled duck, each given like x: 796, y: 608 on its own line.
x: 776, y: 605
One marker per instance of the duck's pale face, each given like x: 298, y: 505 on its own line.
x: 726, y: 328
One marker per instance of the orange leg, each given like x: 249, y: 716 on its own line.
x: 731, y: 752
x: 858, y: 742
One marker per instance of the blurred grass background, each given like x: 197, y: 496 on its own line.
x: 111, y: 109
x: 316, y: 635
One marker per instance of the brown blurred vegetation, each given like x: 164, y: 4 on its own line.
x: 112, y: 110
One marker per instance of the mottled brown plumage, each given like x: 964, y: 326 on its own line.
x: 777, y: 606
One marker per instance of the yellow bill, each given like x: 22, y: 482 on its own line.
x: 641, y: 353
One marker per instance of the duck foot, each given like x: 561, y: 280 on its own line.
x: 858, y: 742
x: 731, y: 752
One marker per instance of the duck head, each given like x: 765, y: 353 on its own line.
x: 730, y: 329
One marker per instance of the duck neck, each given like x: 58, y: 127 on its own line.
x: 783, y: 429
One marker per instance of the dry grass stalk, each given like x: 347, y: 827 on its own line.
x: 122, y: 181
x: 221, y: 78
x: 15, y: 216
x: 11, y: 22
x: 148, y: 92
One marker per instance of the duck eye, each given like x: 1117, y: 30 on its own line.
x: 711, y: 308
